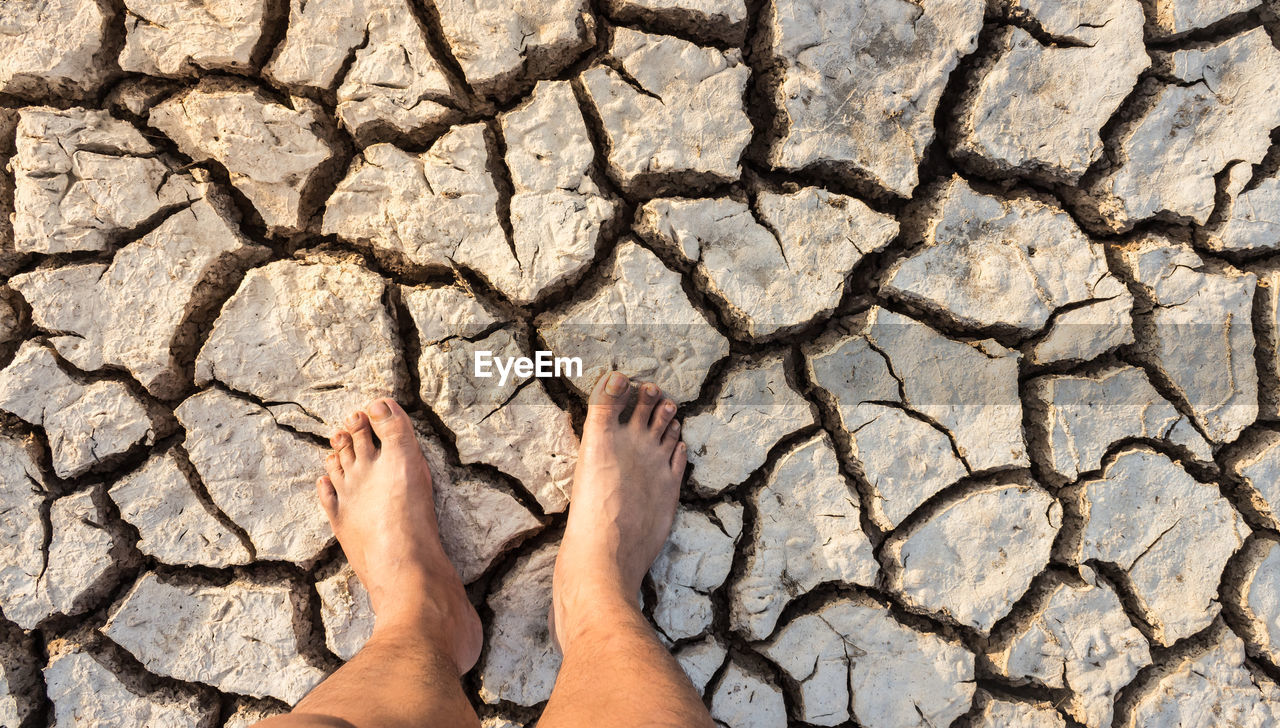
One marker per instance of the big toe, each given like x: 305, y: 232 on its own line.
x: 608, y: 399
x: 390, y: 424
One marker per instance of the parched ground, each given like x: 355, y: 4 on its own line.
x: 971, y: 309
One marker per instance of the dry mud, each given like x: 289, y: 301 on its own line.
x: 971, y: 310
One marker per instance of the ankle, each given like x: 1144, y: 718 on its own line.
x: 415, y: 634
x: 401, y: 641
x: 585, y: 580
x: 426, y: 621
x: 597, y: 622
x: 583, y: 605
x: 425, y: 634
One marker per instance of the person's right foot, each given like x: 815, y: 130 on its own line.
x: 625, y: 491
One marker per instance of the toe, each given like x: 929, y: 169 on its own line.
x: 671, y: 436
x: 662, y: 415
x: 361, y: 436
x: 679, y: 459
x: 607, y: 401
x: 328, y: 497
x: 343, y: 448
x: 649, y: 395
x: 390, y: 423
x: 333, y: 466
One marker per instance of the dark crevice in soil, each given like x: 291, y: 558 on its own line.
x: 715, y: 31
x: 275, y: 23
x: 939, y: 162
x: 429, y: 19
x: 1212, y: 34
x: 202, y: 493
x: 501, y: 174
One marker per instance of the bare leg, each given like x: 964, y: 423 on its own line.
x: 427, y: 634
x: 625, y: 491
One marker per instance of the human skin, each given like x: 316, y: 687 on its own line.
x: 378, y: 498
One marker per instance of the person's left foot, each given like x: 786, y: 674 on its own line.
x: 381, y: 505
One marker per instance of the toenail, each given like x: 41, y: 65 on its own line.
x: 669, y: 408
x: 617, y: 383
x: 380, y: 410
x: 353, y: 419
x: 650, y: 389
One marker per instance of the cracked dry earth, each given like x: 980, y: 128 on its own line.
x: 971, y: 310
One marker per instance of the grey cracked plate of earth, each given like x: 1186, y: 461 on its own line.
x: 971, y: 309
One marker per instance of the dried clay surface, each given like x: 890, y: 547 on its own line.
x: 971, y: 309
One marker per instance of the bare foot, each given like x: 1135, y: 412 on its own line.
x: 381, y: 505
x: 625, y: 491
